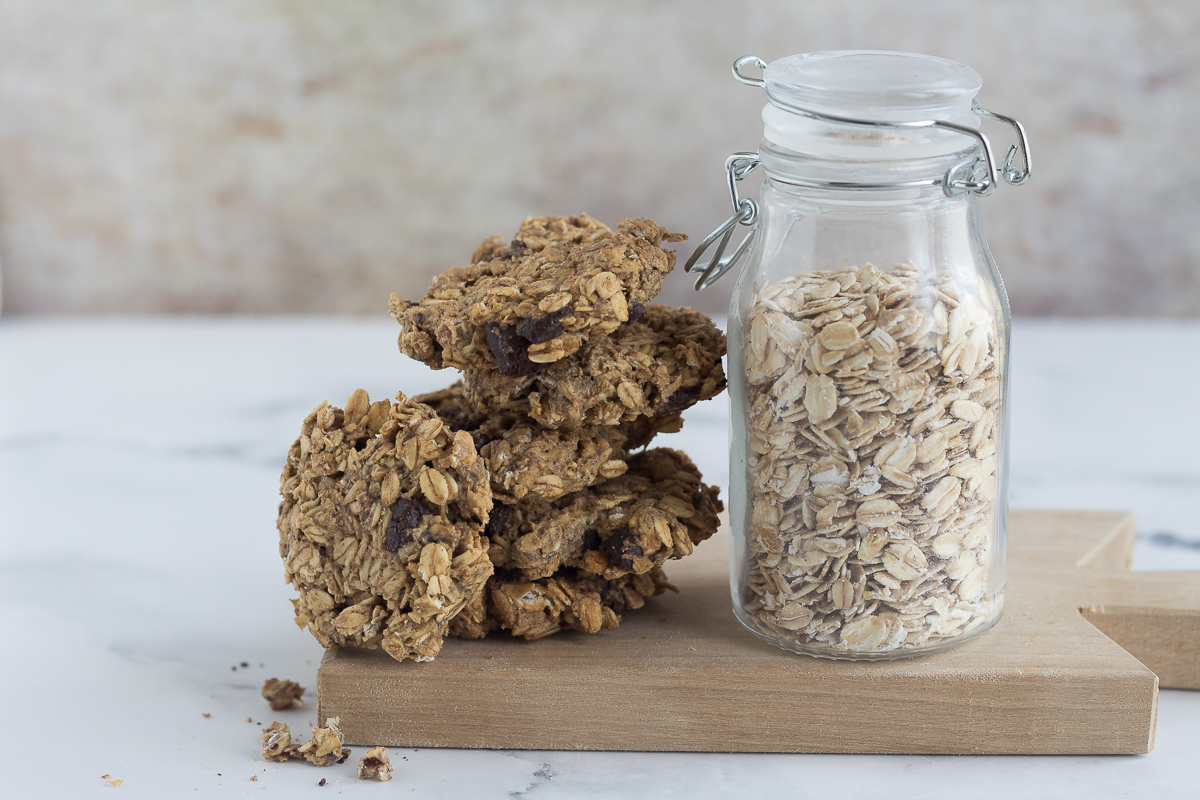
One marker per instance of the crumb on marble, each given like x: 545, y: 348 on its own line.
x: 281, y: 694
x: 375, y: 764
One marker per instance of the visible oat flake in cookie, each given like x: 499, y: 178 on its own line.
x: 526, y: 460
x: 656, y: 367
x: 381, y: 525
x: 630, y: 524
x: 561, y: 282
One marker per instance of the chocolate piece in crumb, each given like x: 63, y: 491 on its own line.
x: 636, y: 311
x: 375, y: 764
x: 281, y: 694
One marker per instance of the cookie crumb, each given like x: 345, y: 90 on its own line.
x: 277, y: 743
x: 281, y: 694
x: 207, y: 715
x: 325, y: 747
x: 321, y: 782
x: 249, y: 719
x: 375, y: 764
x: 254, y: 777
x: 116, y: 782
x: 104, y: 776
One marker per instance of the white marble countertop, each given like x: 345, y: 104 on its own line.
x: 141, y: 586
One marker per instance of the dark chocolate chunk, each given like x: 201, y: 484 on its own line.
x: 681, y: 399
x: 543, y: 329
x: 591, y: 539
x: 511, y: 351
x: 371, y: 762
x: 636, y: 311
x: 613, y: 597
x: 406, y: 515
x: 621, y: 549
x: 517, y: 248
x: 498, y: 521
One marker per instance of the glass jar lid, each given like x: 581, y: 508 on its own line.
x: 869, y: 105
x: 875, y: 85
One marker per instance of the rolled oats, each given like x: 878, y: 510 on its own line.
x: 872, y: 400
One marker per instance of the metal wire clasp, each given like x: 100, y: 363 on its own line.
x: 745, y: 212
x: 978, y: 176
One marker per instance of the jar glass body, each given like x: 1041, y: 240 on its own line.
x: 868, y: 373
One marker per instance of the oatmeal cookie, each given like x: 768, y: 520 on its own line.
x: 527, y: 460
x: 658, y: 366
x: 631, y: 524
x: 381, y: 525
x: 561, y: 282
x: 570, y: 599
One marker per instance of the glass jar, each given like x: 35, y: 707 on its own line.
x: 868, y: 361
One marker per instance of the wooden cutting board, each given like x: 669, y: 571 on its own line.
x: 682, y: 674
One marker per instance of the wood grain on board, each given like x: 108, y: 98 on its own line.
x: 682, y: 674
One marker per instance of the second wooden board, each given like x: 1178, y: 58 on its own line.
x: 681, y: 674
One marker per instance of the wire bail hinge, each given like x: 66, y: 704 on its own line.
x: 745, y: 212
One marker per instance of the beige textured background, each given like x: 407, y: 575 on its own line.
x: 290, y: 156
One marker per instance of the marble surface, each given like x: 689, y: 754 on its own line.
x: 141, y: 587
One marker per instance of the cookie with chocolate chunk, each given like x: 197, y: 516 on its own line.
x: 631, y: 524
x: 381, y: 525
x: 570, y: 599
x: 527, y: 460
x: 520, y: 308
x: 654, y: 367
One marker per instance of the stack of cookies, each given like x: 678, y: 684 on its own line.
x: 513, y: 499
